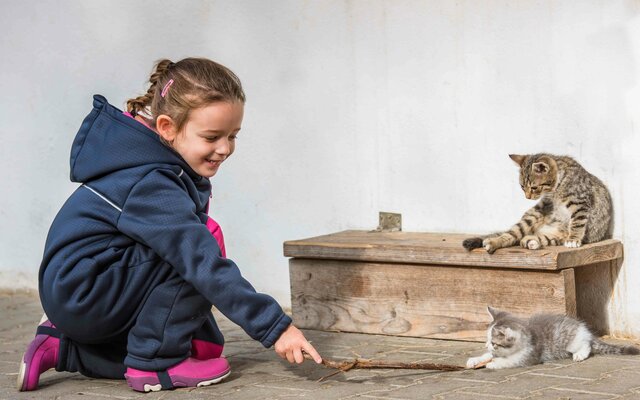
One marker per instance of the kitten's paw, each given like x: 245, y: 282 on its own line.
x: 573, y: 243
x: 474, y: 361
x: 581, y: 355
x: 493, y: 365
x: 530, y: 242
x: 491, y: 245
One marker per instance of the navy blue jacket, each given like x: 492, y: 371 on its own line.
x: 138, y: 192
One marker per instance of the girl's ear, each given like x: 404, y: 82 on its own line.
x: 166, y: 128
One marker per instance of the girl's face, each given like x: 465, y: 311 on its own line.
x: 208, y: 137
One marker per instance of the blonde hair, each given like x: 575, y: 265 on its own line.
x: 196, y: 82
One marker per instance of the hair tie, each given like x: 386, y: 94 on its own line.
x: 166, y: 87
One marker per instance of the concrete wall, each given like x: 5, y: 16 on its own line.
x: 353, y: 107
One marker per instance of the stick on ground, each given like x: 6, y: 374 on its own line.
x: 344, y: 366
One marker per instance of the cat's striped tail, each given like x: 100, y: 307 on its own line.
x: 476, y: 242
x: 600, y: 347
x: 472, y: 243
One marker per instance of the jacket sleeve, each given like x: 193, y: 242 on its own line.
x: 160, y: 214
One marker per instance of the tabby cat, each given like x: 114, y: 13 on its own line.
x: 516, y: 342
x: 574, y: 208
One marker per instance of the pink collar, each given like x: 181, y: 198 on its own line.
x: 128, y: 114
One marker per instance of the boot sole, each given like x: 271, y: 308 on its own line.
x: 149, y: 387
x: 21, y: 373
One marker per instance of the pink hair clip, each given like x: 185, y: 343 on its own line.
x: 166, y: 87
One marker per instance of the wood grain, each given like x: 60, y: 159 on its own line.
x: 435, y: 301
x: 445, y: 249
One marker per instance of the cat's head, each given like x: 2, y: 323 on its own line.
x: 506, y: 334
x: 538, y: 174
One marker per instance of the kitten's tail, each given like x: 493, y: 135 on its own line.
x: 476, y: 242
x: 600, y: 347
x: 472, y: 243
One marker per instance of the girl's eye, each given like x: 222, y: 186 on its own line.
x: 212, y: 139
x: 233, y: 137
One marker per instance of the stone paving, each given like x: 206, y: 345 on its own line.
x: 258, y: 373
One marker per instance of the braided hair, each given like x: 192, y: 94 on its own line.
x: 177, y: 88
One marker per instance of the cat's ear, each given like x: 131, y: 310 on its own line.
x: 519, y: 159
x: 493, y: 312
x: 540, y: 167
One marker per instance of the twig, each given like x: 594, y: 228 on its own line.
x: 344, y: 366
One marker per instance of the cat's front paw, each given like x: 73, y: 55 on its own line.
x: 491, y: 245
x: 582, y: 354
x: 572, y: 243
x: 530, y: 242
x: 474, y: 362
x: 493, y: 365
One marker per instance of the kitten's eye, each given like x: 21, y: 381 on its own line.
x: 534, y: 188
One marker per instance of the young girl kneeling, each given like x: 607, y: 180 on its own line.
x: 133, y: 263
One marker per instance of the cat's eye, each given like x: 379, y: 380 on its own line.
x: 534, y: 188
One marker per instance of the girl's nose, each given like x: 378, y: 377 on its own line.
x: 224, y: 147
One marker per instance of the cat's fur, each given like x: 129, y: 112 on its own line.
x: 574, y: 208
x: 517, y: 342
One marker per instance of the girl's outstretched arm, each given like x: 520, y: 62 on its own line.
x: 292, y: 343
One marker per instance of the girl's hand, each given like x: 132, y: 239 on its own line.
x: 292, y: 343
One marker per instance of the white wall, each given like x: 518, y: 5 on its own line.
x: 353, y: 107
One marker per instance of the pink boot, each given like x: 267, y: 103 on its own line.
x: 41, y: 355
x: 188, y: 373
x: 203, y: 350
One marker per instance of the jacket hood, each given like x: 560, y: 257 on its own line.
x: 109, y: 141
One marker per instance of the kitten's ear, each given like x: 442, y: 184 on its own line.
x: 493, y: 312
x: 519, y: 159
x: 540, y: 167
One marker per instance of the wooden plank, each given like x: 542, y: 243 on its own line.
x: 589, y: 254
x: 571, y: 308
x: 444, y: 249
x: 594, y: 288
x: 445, y: 302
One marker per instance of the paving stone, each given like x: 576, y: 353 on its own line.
x: 524, y: 385
x: 258, y: 373
x: 617, y: 382
x: 563, y: 394
x: 425, y: 388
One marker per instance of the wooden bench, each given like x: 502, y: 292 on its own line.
x: 427, y: 285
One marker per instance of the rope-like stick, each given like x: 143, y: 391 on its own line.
x: 344, y: 366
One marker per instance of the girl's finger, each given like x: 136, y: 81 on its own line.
x: 297, y: 355
x: 290, y: 357
x: 308, y: 348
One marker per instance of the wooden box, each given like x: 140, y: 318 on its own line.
x: 428, y: 285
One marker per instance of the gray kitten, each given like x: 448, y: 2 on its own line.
x: 574, y: 206
x: 517, y: 342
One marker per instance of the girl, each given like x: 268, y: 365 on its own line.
x: 132, y: 263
